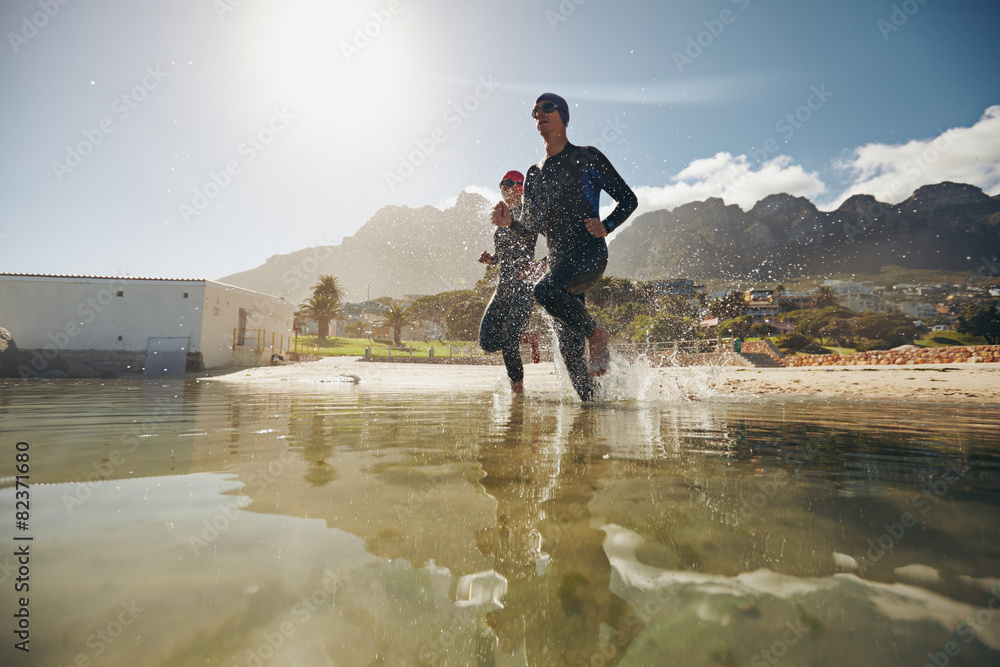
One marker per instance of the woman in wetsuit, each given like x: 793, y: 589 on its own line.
x: 508, y: 311
x: 562, y: 201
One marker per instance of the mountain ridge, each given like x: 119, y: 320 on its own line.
x: 402, y: 250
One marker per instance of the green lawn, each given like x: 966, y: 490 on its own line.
x: 355, y: 347
x: 946, y: 338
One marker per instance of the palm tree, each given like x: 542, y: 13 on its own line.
x: 396, y: 317
x: 824, y: 298
x: 329, y: 287
x: 322, y: 309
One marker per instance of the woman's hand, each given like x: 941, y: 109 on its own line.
x: 596, y: 227
x: 501, y: 215
x: 485, y: 258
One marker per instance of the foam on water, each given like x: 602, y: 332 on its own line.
x: 639, y: 380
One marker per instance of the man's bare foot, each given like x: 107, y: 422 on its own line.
x: 600, y: 353
x: 517, y: 387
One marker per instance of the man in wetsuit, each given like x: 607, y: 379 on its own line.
x: 562, y: 201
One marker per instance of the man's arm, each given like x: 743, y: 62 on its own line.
x: 612, y: 183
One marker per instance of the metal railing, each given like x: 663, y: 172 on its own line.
x: 261, y: 340
x: 698, y: 346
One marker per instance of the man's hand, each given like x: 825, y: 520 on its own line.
x: 596, y: 227
x: 501, y: 215
x: 485, y: 258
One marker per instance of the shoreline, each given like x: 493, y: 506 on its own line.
x: 949, y: 383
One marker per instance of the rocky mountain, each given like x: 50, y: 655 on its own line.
x: 400, y: 250
x: 948, y: 226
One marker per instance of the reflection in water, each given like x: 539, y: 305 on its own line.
x: 351, y: 526
x: 558, y: 575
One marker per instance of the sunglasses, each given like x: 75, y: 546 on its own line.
x: 508, y: 183
x: 544, y: 107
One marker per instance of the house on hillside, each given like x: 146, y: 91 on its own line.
x: 682, y: 288
x: 758, y: 294
x: 149, y: 325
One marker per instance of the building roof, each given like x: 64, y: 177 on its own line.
x: 138, y: 278
x: 61, y: 275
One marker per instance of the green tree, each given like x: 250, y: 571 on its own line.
x: 396, y: 318
x: 610, y: 292
x: 824, y: 299
x: 462, y: 321
x: 434, y: 308
x: 484, y: 286
x: 764, y: 330
x: 664, y: 328
x: 329, y: 287
x: 737, y: 327
x: 980, y: 319
x: 838, y: 330
x: 879, y: 331
x: 322, y: 309
x: 730, y: 306
x: 618, y: 318
x: 810, y: 322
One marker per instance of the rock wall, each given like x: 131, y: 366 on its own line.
x: 762, y: 347
x: 915, y: 355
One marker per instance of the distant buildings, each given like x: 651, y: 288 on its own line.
x: 682, y: 288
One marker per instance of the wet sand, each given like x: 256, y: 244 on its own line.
x: 974, y: 383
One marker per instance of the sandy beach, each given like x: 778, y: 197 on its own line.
x: 974, y: 383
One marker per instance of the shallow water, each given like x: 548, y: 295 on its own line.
x: 198, y: 523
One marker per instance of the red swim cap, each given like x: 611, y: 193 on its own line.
x: 515, y: 176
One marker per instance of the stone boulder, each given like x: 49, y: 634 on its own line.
x: 10, y: 356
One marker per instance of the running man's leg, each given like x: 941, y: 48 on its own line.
x: 571, y: 345
x: 557, y: 290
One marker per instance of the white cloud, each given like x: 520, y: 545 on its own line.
x: 892, y: 172
x: 733, y: 178
x: 889, y: 172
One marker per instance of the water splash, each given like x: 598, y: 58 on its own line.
x: 634, y: 377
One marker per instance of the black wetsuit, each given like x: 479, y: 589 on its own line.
x: 560, y: 193
x: 507, y: 314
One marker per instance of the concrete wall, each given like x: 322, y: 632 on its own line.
x: 926, y: 355
x: 58, y: 315
x: 82, y: 313
x: 222, y: 305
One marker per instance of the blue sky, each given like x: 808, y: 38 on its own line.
x: 197, y: 138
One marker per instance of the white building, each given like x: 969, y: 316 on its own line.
x: 115, y: 323
x: 917, y: 310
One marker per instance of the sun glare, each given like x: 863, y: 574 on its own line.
x: 343, y: 63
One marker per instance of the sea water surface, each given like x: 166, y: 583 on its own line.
x: 184, y: 522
